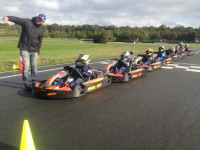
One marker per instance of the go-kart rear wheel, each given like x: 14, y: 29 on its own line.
x: 126, y: 77
x: 164, y: 63
x: 150, y: 68
x: 77, y: 91
x: 36, y: 95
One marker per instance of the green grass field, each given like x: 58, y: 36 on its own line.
x: 59, y: 51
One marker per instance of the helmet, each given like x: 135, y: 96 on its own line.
x: 82, y: 60
x: 173, y: 49
x: 180, y: 44
x: 161, y: 48
x: 132, y: 52
x: 186, y: 46
x: 125, y: 56
x: 177, y: 47
x: 149, y: 51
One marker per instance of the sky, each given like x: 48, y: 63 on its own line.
x: 108, y: 12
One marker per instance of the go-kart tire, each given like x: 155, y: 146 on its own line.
x: 126, y: 77
x: 150, y: 68
x: 164, y: 63
x: 36, y: 95
x: 77, y: 91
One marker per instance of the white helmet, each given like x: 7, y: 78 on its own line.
x: 125, y: 56
x: 82, y: 60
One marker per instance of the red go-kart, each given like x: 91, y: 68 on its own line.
x: 141, y: 58
x: 51, y: 89
x: 128, y: 74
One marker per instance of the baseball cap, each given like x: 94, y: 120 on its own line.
x: 42, y: 16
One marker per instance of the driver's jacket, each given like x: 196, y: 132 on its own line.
x: 150, y: 60
x: 85, y: 71
x: 161, y: 55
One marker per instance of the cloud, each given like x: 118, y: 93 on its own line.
x: 47, y: 4
x: 109, y: 12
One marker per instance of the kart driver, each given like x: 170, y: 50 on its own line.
x: 123, y: 63
x: 149, y: 54
x: 187, y: 48
x: 177, y: 50
x: 81, y: 66
x: 170, y: 52
x: 180, y: 45
x: 161, y: 53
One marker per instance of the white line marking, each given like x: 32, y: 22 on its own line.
x: 192, y: 70
x: 51, y: 69
x: 182, y: 67
x: 165, y: 67
x: 10, y: 76
x: 195, y: 67
x: 102, y: 62
x: 173, y: 65
x: 38, y: 71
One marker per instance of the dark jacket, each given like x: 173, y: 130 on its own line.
x: 31, y: 35
x: 85, y: 71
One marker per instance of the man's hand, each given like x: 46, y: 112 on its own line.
x: 5, y: 19
x: 38, y: 57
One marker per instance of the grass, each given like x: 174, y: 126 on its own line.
x: 59, y: 51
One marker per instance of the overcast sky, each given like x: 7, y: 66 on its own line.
x: 108, y: 12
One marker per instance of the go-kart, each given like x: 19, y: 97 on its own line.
x: 164, y: 59
x: 175, y: 57
x: 52, y: 89
x: 189, y: 53
x: 141, y: 58
x: 129, y: 73
x: 182, y: 53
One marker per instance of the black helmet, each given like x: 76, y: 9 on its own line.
x: 132, y: 52
x: 187, y: 46
x: 82, y: 60
x: 125, y: 56
x: 161, y: 48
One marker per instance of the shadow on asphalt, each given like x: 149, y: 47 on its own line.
x: 4, y: 146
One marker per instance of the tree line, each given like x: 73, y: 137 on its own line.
x: 112, y: 33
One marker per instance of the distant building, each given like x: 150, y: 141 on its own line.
x: 197, y: 40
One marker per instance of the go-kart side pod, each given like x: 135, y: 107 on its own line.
x: 126, y: 76
x: 190, y: 53
x: 153, y: 66
x: 175, y: 57
x: 168, y: 60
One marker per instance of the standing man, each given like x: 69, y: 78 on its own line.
x: 29, y: 44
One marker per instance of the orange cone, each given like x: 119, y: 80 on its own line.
x: 26, y: 139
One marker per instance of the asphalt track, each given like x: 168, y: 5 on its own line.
x: 161, y: 110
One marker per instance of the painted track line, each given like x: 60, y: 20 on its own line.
x: 193, y: 70
x: 166, y: 67
x: 21, y: 74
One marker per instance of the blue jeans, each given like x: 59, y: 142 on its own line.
x: 27, y: 59
x: 75, y: 82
